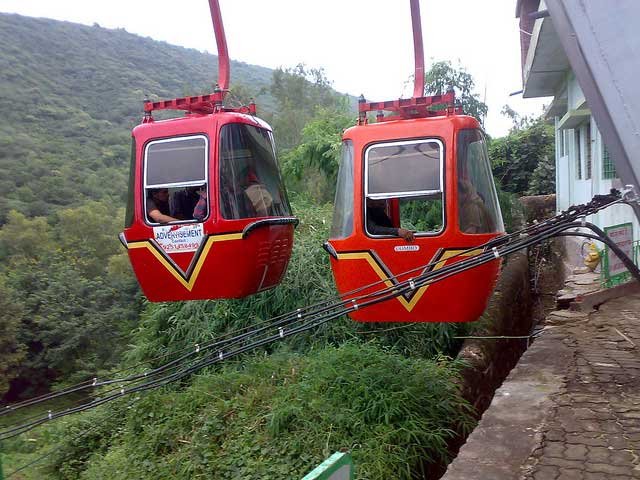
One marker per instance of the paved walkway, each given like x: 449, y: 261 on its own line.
x: 571, y: 407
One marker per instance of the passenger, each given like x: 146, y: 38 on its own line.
x: 200, y: 208
x: 183, y: 203
x: 260, y: 198
x: 474, y: 215
x: 158, y: 206
x: 379, y: 223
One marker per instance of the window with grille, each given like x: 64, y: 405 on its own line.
x: 578, y: 154
x: 608, y: 168
x: 561, y: 143
x: 587, y: 153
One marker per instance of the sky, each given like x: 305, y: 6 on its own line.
x: 364, y: 46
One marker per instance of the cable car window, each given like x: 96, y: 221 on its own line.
x: 175, y: 180
x: 404, y: 188
x: 342, y: 224
x: 129, y: 215
x: 176, y: 162
x: 478, y: 208
x: 250, y: 182
x: 404, y: 168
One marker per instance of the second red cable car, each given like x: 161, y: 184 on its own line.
x: 415, y: 188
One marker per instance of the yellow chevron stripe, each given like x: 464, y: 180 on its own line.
x: 190, y: 283
x: 408, y: 305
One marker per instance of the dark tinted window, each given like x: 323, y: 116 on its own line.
x: 478, y: 208
x: 177, y: 161
x: 342, y: 224
x: 250, y: 183
x: 128, y: 218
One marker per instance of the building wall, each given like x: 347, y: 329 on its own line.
x: 581, y: 169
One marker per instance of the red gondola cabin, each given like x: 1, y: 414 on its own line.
x: 415, y: 192
x: 430, y: 175
x: 208, y: 216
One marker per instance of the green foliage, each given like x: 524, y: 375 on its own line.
x: 11, y: 351
x: 70, y: 95
x: 528, y: 147
x: 74, y: 312
x: 276, y: 417
x: 69, y: 301
x: 443, y: 76
x: 171, y: 327
x: 299, y: 92
x: 543, y: 178
x: 421, y: 215
x: 318, y: 152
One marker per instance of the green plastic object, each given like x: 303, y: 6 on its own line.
x: 617, y: 276
x: 338, y: 466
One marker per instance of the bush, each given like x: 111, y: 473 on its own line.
x: 277, y: 417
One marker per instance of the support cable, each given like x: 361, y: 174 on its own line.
x: 298, y: 322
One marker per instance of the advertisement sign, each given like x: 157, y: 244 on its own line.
x: 621, y: 235
x: 179, y: 238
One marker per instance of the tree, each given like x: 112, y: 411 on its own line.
x: 519, y: 122
x: 299, y: 92
x: 543, y: 178
x: 88, y: 235
x: 319, y: 151
x: 24, y: 237
x: 11, y: 350
x: 442, y: 76
x: 69, y: 300
x: 523, y: 161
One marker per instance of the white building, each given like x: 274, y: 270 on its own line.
x: 583, y: 166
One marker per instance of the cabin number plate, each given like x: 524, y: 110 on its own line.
x: 407, y: 248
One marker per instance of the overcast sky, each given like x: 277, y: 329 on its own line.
x: 364, y: 46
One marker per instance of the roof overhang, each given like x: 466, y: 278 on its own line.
x: 573, y: 118
x: 546, y: 65
x: 558, y: 106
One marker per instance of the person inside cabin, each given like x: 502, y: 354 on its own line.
x: 379, y: 223
x: 183, y: 202
x: 260, y: 198
x: 158, y: 206
x: 474, y: 215
x: 201, y: 206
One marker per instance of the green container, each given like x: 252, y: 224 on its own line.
x: 338, y: 466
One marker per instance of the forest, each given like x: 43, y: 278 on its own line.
x: 71, y: 310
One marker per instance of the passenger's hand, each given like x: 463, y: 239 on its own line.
x: 406, y: 234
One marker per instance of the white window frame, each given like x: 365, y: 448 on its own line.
x: 416, y: 193
x: 177, y: 184
x: 145, y: 186
x: 411, y: 194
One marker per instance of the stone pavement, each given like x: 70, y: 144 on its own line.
x: 571, y: 407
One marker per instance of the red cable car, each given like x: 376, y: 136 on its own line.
x: 208, y: 216
x: 414, y: 188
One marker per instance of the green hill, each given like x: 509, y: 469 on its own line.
x: 69, y: 95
